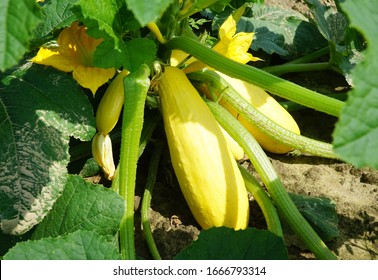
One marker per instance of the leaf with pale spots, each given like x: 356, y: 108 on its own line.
x: 40, y: 109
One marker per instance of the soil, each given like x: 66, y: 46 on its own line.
x: 354, y: 190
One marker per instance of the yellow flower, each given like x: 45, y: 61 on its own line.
x: 75, y: 53
x: 234, y: 46
x: 231, y: 44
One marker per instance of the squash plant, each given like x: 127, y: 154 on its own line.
x: 78, y: 76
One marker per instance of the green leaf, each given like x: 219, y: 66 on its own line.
x: 18, y: 19
x: 58, y: 14
x: 342, y: 40
x: 142, y: 51
x: 284, y: 32
x: 227, y: 244
x: 83, y: 206
x: 356, y: 133
x: 320, y: 212
x: 40, y: 108
x: 103, y: 17
x: 90, y: 168
x: 79, y: 245
x: 148, y: 11
x: 331, y: 24
x: 106, y: 19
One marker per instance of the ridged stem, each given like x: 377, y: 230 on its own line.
x: 311, y: 56
x: 252, y: 115
x: 136, y: 86
x: 302, y: 67
x: 265, y: 203
x: 258, y: 77
x: 147, y: 197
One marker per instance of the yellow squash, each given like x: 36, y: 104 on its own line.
x: 111, y: 105
x: 267, y: 105
x: 204, y: 165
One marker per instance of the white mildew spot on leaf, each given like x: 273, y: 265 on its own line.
x: 37, y: 118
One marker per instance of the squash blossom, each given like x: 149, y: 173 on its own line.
x: 234, y: 46
x: 231, y: 44
x: 75, y: 53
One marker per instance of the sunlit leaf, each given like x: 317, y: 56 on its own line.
x: 40, y: 108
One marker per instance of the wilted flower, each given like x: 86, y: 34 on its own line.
x: 103, y: 154
x: 75, y: 53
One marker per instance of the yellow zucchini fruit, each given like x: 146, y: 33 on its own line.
x: 236, y: 150
x: 111, y: 105
x: 268, y: 106
x: 207, y: 173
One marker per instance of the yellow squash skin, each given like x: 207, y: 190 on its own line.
x: 111, y: 105
x: 205, y: 168
x: 267, y: 105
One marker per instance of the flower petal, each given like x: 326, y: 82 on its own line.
x: 239, y: 46
x: 92, y: 77
x: 227, y: 29
x: 52, y: 57
x: 75, y: 43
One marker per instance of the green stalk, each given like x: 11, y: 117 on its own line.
x: 268, y: 175
x: 292, y: 106
x: 254, y: 116
x: 147, y: 196
x: 151, y: 120
x: 269, y: 210
x: 311, y: 56
x: 302, y: 67
x: 269, y: 82
x: 136, y: 86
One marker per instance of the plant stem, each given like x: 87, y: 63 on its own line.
x: 151, y: 120
x: 147, y: 196
x: 254, y: 116
x: 269, y: 82
x: 268, y: 175
x: 291, y: 67
x: 269, y: 210
x: 311, y: 56
x: 136, y: 86
x: 292, y: 106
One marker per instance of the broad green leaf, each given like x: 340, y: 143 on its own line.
x: 111, y: 20
x: 58, y: 14
x: 131, y: 55
x: 356, y: 133
x: 142, y: 51
x: 148, y: 11
x: 331, y: 24
x: 83, y: 206
x: 79, y: 245
x: 320, y: 212
x: 227, y: 244
x: 103, y: 17
x: 40, y: 108
x: 284, y: 32
x: 90, y: 168
x: 8, y: 241
x: 18, y: 19
x: 342, y: 40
